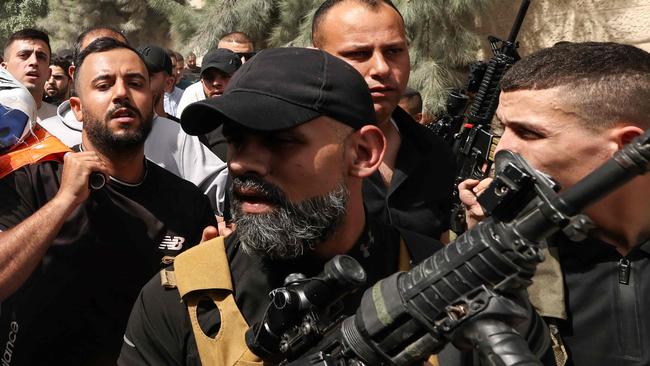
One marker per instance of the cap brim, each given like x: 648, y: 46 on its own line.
x: 227, y: 68
x: 254, y: 111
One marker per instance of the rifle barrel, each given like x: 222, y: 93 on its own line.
x: 518, y: 21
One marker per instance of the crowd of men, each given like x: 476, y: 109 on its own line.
x: 150, y: 205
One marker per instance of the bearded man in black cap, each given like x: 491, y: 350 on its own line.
x: 298, y: 153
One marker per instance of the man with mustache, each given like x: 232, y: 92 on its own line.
x: 59, y: 85
x: 27, y: 57
x: 72, y: 259
x: 302, y: 138
x: 412, y: 188
x: 167, y: 145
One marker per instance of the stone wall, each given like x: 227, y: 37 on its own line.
x: 551, y: 21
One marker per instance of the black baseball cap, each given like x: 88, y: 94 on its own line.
x: 281, y: 88
x: 156, y: 59
x: 222, y: 59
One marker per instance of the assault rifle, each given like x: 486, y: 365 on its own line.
x: 465, y: 293
x: 474, y: 145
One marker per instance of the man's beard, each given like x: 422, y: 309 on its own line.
x: 289, y: 229
x: 110, y: 143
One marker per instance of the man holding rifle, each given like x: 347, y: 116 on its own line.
x: 567, y: 109
x: 298, y: 152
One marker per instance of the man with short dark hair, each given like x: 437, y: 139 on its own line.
x: 27, y: 57
x: 173, y: 93
x: 411, y: 102
x: 413, y: 186
x: 73, y: 259
x: 191, y: 64
x: 298, y: 153
x: 59, y: 85
x: 160, y: 69
x: 239, y: 43
x: 567, y: 109
x: 167, y: 145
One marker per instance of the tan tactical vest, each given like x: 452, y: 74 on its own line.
x: 204, y: 271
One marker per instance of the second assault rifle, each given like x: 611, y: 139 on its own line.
x: 466, y: 293
x: 474, y: 144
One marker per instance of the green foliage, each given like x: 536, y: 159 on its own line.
x: 294, y: 23
x: 441, y: 42
x: 19, y: 14
x: 135, y: 18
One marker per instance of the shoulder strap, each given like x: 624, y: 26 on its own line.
x: 203, y: 267
x: 203, y: 272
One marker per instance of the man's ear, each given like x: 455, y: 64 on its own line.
x: 623, y: 134
x: 170, y: 82
x: 368, y: 146
x: 75, y: 105
x: 71, y: 71
x: 3, y: 64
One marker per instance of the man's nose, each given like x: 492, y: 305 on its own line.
x: 33, y: 60
x: 249, y: 157
x: 379, y: 67
x: 508, y: 141
x: 120, y: 90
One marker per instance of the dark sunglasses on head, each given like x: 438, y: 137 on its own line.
x: 245, y: 55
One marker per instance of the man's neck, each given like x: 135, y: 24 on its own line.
x: 348, y: 232
x: 160, y: 108
x: 393, y: 142
x: 623, y: 218
x: 38, y: 98
x: 126, y: 166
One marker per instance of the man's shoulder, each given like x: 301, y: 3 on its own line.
x: 64, y: 125
x: 169, y: 181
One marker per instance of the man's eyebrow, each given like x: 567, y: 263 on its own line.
x: 101, y: 77
x: 135, y: 75
x: 524, y: 125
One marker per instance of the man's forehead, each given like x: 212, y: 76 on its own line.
x: 28, y: 44
x: 102, y: 33
x: 236, y: 46
x: 57, y: 70
x: 344, y: 19
x: 120, y: 60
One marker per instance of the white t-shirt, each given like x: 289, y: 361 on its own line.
x: 193, y: 93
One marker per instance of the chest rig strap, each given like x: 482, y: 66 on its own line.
x: 201, y: 272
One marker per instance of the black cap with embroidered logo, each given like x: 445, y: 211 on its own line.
x: 221, y: 59
x: 281, y: 88
x: 156, y: 59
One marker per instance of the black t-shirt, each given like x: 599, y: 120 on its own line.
x: 420, y: 192
x: 608, y: 310
x: 159, y: 330
x: 73, y: 308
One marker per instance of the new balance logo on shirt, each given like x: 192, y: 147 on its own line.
x: 170, y: 242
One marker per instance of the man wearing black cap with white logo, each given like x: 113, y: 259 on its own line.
x: 302, y: 138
